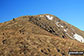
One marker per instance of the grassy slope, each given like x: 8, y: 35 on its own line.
x: 22, y: 38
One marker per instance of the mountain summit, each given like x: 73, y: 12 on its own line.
x: 39, y: 35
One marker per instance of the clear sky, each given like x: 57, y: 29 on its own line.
x: 71, y: 11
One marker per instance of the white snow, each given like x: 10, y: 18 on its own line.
x: 78, y: 37
x: 65, y: 30
x: 57, y: 23
x: 69, y: 36
x: 49, y: 17
x: 61, y: 26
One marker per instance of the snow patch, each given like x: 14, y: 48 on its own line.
x: 61, y: 26
x: 78, y: 37
x: 57, y: 23
x: 49, y: 17
x: 69, y: 36
x: 65, y: 30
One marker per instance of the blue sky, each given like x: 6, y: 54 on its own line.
x: 71, y: 11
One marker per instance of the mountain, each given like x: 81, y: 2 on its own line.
x: 39, y: 35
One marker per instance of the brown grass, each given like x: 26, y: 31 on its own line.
x: 24, y: 38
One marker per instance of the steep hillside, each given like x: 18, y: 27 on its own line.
x: 57, y: 27
x: 38, y: 35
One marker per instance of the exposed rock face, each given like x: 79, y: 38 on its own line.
x: 41, y: 35
x: 56, y: 26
